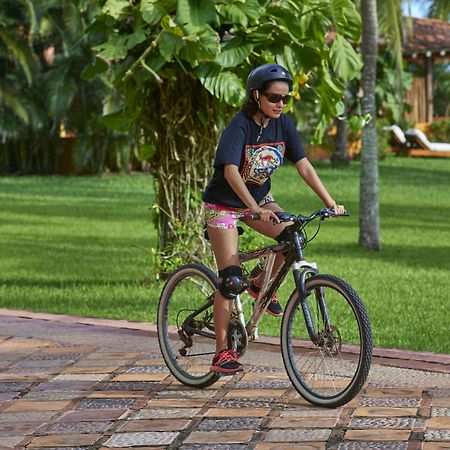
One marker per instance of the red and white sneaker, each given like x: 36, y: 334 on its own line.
x: 274, y: 308
x: 226, y: 362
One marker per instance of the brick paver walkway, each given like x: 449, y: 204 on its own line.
x: 67, y: 385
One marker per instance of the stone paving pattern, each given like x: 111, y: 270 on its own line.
x: 66, y: 385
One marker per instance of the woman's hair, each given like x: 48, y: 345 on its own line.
x: 250, y: 108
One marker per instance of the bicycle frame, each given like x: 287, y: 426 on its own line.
x: 301, y: 269
x: 268, y: 287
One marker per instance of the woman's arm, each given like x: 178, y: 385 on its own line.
x: 308, y: 173
x: 234, y: 179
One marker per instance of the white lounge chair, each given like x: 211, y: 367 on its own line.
x: 417, y: 137
x: 398, y: 136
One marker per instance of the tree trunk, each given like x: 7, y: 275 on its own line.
x: 369, y: 222
x: 340, y: 156
x: 183, y: 118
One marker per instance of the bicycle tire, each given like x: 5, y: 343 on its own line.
x: 187, y: 354
x: 331, y: 372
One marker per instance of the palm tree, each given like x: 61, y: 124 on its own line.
x: 369, y: 224
x: 436, y: 9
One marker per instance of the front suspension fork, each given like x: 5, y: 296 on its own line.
x: 303, y: 270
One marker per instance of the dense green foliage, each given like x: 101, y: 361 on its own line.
x: 441, y: 89
x: 390, y: 98
x: 180, y: 67
x: 49, y: 115
x: 439, y: 9
x: 151, y: 43
x: 80, y: 246
x: 440, y: 131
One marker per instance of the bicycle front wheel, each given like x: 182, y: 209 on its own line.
x: 185, y: 324
x: 330, y: 368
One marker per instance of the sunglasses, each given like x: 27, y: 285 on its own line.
x: 275, y: 98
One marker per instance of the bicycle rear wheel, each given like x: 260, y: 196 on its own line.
x: 332, y: 370
x: 185, y: 324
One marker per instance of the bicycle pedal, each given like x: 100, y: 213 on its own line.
x: 222, y: 374
x: 225, y: 374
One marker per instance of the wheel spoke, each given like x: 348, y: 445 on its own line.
x: 327, y: 373
x: 186, y: 303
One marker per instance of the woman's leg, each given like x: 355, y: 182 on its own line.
x: 224, y: 243
x: 270, y: 230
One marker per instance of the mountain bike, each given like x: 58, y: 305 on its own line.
x: 326, y: 339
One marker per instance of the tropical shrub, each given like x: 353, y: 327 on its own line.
x: 441, y: 89
x: 439, y: 131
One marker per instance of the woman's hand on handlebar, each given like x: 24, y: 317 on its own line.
x: 338, y: 209
x: 265, y: 214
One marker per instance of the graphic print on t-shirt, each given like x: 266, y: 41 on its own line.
x: 261, y: 161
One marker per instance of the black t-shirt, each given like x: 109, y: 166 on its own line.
x: 257, y: 161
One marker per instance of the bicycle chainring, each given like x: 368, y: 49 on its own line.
x: 237, y: 338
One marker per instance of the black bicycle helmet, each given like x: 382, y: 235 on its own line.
x: 265, y: 73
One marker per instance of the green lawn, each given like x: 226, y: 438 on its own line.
x: 77, y: 245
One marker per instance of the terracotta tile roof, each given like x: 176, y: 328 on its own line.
x: 428, y: 35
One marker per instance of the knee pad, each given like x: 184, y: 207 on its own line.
x: 233, y: 282
x: 283, y: 236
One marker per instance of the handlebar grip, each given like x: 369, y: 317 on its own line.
x: 254, y: 216
x: 330, y: 213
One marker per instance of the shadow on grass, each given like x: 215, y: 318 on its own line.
x: 415, y: 176
x: 415, y: 224
x: 68, y: 284
x: 89, y: 186
x: 97, y: 210
x: 80, y: 247
x: 416, y: 256
x: 70, y: 261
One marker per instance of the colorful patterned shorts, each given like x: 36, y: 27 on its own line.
x: 218, y: 216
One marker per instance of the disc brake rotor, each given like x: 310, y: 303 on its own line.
x: 330, y: 340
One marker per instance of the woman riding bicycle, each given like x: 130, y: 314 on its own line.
x: 251, y: 148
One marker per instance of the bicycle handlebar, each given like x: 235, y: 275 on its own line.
x: 324, y: 213
x: 284, y: 216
